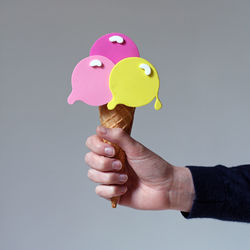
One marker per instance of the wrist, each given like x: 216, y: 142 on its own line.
x: 181, y: 193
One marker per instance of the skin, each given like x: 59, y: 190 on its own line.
x: 150, y: 182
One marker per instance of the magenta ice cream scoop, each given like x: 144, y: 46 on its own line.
x: 115, y: 46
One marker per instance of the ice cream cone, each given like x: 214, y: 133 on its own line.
x: 120, y: 117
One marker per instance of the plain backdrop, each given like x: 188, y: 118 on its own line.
x: 202, y: 52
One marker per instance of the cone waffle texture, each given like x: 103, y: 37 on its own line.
x: 120, y: 117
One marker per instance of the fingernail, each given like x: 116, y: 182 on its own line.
x: 102, y: 130
x: 109, y: 151
x: 116, y: 165
x: 123, y: 177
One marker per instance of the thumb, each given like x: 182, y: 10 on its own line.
x: 119, y: 137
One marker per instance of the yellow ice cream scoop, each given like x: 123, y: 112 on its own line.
x: 134, y: 82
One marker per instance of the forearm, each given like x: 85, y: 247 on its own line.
x: 182, y: 192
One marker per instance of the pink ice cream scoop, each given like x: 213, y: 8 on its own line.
x: 115, y: 46
x: 90, y: 81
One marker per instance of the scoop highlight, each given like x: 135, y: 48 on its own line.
x: 95, y: 63
x: 146, y: 68
x: 117, y: 39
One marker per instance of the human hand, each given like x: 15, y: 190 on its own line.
x: 149, y: 183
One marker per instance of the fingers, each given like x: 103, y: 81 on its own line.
x: 95, y: 144
x: 118, y: 136
x: 102, y: 163
x: 108, y: 192
x: 112, y: 183
x: 107, y: 178
x: 103, y: 167
x: 100, y: 166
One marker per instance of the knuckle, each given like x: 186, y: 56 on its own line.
x: 89, y: 141
x: 87, y: 157
x: 97, y: 190
x: 89, y: 174
x: 112, y: 190
x: 111, y: 178
x: 116, y: 189
x: 107, y: 192
x: 102, y: 162
x: 118, y: 133
x: 100, y: 190
x: 98, y: 146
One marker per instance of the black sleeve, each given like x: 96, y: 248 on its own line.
x: 221, y: 193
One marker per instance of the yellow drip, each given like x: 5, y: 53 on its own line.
x: 158, y: 104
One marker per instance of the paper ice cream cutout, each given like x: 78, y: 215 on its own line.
x: 132, y: 86
x: 90, y: 81
x: 115, y: 46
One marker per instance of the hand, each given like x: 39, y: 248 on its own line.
x: 149, y: 183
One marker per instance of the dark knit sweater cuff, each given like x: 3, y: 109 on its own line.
x: 209, y: 193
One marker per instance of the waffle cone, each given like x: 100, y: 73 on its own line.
x: 120, y: 117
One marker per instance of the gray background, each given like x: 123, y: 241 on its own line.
x: 201, y: 50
